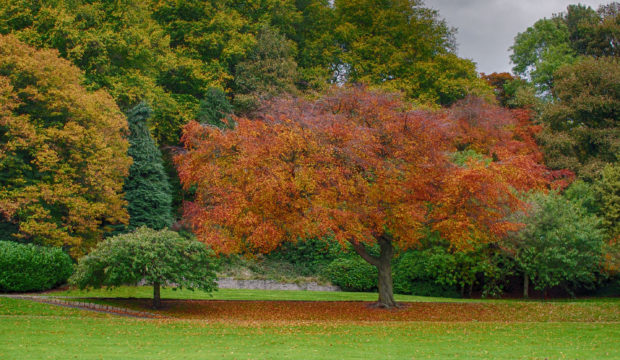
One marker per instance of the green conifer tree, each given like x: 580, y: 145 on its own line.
x: 146, y: 188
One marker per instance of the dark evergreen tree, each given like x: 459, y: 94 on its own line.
x: 146, y: 188
x: 215, y: 109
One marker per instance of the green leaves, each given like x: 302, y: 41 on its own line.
x: 150, y: 256
x: 541, y: 50
x: 26, y: 267
x: 402, y: 46
x: 608, y: 195
x: 269, y: 71
x: 582, y: 124
x: 561, y: 244
x: 552, y: 43
x: 146, y: 188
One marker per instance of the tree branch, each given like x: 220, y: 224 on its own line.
x: 360, y: 249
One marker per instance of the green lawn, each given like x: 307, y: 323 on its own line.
x: 31, y: 330
x: 242, y: 294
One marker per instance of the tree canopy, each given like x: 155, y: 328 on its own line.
x: 170, y: 53
x: 357, y: 164
x: 582, y: 129
x: 157, y: 258
x: 552, y: 43
x: 63, y: 152
x: 561, y: 243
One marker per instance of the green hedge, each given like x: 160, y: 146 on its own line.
x: 309, y: 256
x: 27, y: 267
x: 425, y: 273
x: 352, y: 274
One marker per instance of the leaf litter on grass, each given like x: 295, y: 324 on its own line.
x: 359, y: 311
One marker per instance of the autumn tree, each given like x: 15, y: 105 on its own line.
x: 120, y: 48
x: 360, y: 166
x: 63, y: 152
x: 499, y: 82
x: 147, y: 190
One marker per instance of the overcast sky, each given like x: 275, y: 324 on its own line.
x: 486, y: 28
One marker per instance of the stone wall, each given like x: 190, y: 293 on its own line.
x: 228, y: 283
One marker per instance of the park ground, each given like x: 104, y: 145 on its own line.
x: 255, y: 324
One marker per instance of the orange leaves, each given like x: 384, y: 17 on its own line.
x: 356, y: 164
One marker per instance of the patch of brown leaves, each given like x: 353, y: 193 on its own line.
x: 355, y: 311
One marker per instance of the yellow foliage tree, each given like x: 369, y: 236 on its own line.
x: 63, y: 151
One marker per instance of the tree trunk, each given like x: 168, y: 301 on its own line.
x: 156, y: 296
x: 383, y: 263
x: 526, y: 286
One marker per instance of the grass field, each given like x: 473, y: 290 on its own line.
x: 287, y: 295
x: 246, y: 330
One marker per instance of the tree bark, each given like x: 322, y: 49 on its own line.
x: 156, y: 296
x: 526, y: 286
x: 383, y: 263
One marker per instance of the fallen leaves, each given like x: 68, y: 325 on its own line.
x: 360, y: 311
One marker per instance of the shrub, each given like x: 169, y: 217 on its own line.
x: 431, y: 272
x: 27, y: 267
x: 158, y: 258
x: 352, y: 274
x: 561, y: 244
x: 309, y: 256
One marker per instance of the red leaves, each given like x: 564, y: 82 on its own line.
x: 356, y: 164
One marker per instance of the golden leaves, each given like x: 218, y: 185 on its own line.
x: 63, y: 150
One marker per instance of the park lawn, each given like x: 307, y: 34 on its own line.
x: 240, y: 294
x: 45, y: 335
x: 39, y: 331
x: 287, y: 295
x: 13, y: 307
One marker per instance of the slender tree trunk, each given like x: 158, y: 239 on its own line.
x: 526, y: 286
x: 156, y: 296
x: 383, y: 263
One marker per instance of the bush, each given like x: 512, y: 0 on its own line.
x: 159, y: 258
x: 426, y: 273
x: 27, y: 267
x: 309, y: 256
x: 352, y: 274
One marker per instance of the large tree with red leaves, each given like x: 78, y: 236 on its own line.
x: 364, y: 167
